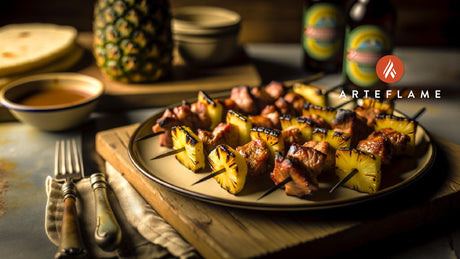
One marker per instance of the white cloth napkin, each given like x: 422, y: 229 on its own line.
x: 144, y: 233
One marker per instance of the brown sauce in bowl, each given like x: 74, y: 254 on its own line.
x: 53, y: 97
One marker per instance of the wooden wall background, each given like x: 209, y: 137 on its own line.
x: 420, y: 22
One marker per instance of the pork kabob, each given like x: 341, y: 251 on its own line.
x: 243, y: 90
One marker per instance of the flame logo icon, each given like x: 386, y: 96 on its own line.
x: 389, y: 70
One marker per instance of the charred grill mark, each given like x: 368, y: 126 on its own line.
x: 238, y: 115
x: 208, y: 99
x: 343, y: 115
x: 320, y: 130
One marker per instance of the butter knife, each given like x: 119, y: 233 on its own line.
x: 108, y: 232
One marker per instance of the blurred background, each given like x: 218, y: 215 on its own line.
x: 420, y: 23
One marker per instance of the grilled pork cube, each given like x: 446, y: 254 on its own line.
x: 311, y: 158
x: 222, y: 134
x: 260, y: 121
x: 244, y: 100
x: 180, y: 115
x: 335, y: 138
x: 327, y: 113
x: 301, y: 185
x: 292, y: 135
x: 377, y: 145
x: 256, y: 154
x: 201, y: 111
x: 318, y: 120
x: 312, y: 94
x: 296, y: 102
x: 242, y: 123
x: 369, y: 174
x: 399, y: 124
x: 261, y: 97
x: 272, y: 137
x: 270, y: 112
x: 399, y: 143
x: 193, y: 156
x: 325, y: 148
x: 233, y: 178
x: 368, y: 114
x: 284, y: 106
x: 275, y: 89
x: 349, y: 122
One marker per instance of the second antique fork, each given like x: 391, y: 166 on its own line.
x: 68, y: 168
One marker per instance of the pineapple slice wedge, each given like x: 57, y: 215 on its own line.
x: 399, y: 124
x: 312, y: 94
x: 305, y: 125
x: 369, y: 175
x: 335, y: 138
x: 236, y: 169
x: 272, y: 137
x: 385, y: 106
x: 327, y: 113
x: 243, y: 124
x: 214, y: 109
x: 193, y: 156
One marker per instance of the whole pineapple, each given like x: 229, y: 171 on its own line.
x: 132, y: 39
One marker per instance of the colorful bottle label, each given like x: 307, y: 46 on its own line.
x: 364, y: 46
x: 322, y: 36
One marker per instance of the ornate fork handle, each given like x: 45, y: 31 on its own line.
x: 71, y: 245
x: 108, y: 232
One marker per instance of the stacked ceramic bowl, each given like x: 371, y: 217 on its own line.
x: 206, y: 35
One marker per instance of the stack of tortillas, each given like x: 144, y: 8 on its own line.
x: 36, y: 48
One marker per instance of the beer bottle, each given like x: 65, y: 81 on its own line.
x: 368, y: 37
x: 323, y: 34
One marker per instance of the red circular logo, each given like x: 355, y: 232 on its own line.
x: 389, y: 69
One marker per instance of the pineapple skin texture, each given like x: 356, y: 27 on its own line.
x: 369, y: 174
x: 133, y: 40
x: 234, y: 177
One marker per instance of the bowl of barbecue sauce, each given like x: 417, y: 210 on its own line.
x: 52, y: 102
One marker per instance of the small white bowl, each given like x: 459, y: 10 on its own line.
x: 206, y: 35
x: 56, y: 117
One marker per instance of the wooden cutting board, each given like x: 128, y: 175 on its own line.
x: 185, y: 81
x: 223, y: 232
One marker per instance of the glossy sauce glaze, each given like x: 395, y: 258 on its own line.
x: 53, y: 97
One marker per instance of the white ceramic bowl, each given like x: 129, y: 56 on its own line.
x: 52, y: 117
x: 206, y: 35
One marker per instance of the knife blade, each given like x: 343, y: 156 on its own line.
x: 108, y: 232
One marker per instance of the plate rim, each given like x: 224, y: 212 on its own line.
x: 275, y: 207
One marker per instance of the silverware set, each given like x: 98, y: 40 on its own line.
x: 69, y: 169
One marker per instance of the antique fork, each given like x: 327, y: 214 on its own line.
x: 68, y: 168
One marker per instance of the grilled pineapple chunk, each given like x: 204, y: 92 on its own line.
x: 369, y: 174
x: 236, y: 169
x: 335, y: 138
x: 400, y: 124
x: 305, y: 125
x: 243, y: 124
x: 272, y: 137
x: 312, y: 94
x: 385, y: 106
x: 193, y: 156
x: 214, y: 109
x: 327, y: 113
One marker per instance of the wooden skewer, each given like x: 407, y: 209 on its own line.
x: 149, y: 136
x: 276, y: 187
x: 343, y: 104
x: 210, y: 176
x: 170, y: 153
x: 333, y: 89
x: 343, y: 180
x: 419, y: 113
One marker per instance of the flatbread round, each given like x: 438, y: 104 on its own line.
x: 61, y: 64
x: 24, y: 47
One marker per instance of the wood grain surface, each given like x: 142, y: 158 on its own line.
x: 223, y: 232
